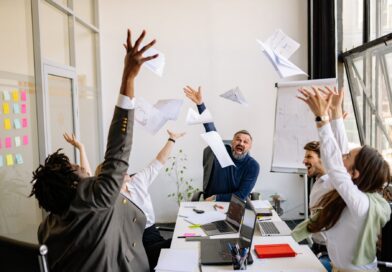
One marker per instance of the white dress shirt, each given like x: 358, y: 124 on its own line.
x: 343, y: 236
x: 137, y: 189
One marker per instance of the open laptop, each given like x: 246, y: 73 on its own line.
x: 232, y: 222
x: 274, y: 228
x: 216, y: 251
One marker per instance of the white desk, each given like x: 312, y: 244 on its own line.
x: 305, y: 260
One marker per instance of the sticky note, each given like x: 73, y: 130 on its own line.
x: 7, y: 124
x: 8, y: 142
x: 24, y: 122
x: 23, y: 95
x: 23, y: 108
x: 15, y: 95
x: 17, y: 140
x: 25, y: 140
x: 6, y: 96
x: 16, y: 108
x: 18, y: 159
x: 6, y: 108
x: 17, y: 123
x: 1, y: 161
x: 9, y: 159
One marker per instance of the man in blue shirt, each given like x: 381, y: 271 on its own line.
x: 220, y: 183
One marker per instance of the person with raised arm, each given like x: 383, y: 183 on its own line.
x: 220, y: 183
x: 90, y: 226
x: 353, y: 213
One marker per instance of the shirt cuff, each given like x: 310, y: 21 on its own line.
x: 325, y: 131
x: 125, y: 102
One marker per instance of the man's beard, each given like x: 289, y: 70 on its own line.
x: 238, y: 156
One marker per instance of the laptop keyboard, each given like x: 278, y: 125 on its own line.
x: 222, y: 226
x: 269, y: 228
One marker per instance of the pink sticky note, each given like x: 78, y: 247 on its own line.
x: 23, y: 95
x: 8, y: 142
x: 24, y: 122
x: 25, y: 140
x: 23, y: 108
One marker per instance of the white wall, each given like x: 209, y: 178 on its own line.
x: 212, y: 44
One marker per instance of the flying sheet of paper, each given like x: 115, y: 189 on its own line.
x: 284, y: 67
x: 282, y: 44
x: 155, y: 65
x: 147, y: 116
x: 170, y: 108
x: 180, y: 260
x: 214, y: 140
x: 235, y: 95
x: 193, y: 118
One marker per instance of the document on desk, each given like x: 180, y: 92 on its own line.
x: 180, y: 260
x: 261, y: 204
x: 205, y: 218
x: 155, y: 65
x: 214, y: 140
x: 235, y: 95
x: 193, y: 118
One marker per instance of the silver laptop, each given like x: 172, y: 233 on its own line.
x: 273, y: 228
x: 216, y: 252
x: 232, y: 222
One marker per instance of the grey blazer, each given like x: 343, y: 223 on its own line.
x: 101, y: 231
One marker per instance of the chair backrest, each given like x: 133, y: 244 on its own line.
x: 386, y: 241
x: 21, y: 256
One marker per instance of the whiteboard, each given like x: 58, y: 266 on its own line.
x: 294, y: 126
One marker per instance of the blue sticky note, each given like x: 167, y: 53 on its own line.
x: 17, y: 123
x: 18, y: 159
x: 6, y: 96
x: 1, y: 161
x: 16, y: 108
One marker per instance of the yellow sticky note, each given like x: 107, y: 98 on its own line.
x: 15, y: 95
x: 9, y: 159
x: 6, y: 108
x: 7, y: 124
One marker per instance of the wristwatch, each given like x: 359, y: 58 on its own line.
x: 322, y: 118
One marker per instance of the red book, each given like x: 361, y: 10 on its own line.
x: 274, y: 251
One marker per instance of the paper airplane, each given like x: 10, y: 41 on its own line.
x: 235, y: 95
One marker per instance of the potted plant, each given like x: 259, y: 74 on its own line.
x: 177, y: 170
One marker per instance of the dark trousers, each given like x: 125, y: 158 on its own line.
x: 153, y: 242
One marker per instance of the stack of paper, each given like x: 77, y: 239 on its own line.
x: 180, y: 260
x: 278, y: 48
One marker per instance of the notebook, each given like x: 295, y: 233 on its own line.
x: 274, y: 251
x: 232, y: 222
x: 216, y: 251
x: 274, y: 228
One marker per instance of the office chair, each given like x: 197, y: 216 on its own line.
x: 21, y: 256
x: 385, y: 256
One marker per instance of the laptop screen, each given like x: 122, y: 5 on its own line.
x: 248, y: 223
x: 235, y: 211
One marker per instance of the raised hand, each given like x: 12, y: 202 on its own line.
x: 194, y: 95
x: 337, y: 103
x: 318, y: 104
x: 133, y: 60
x: 175, y: 135
x: 71, y: 139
